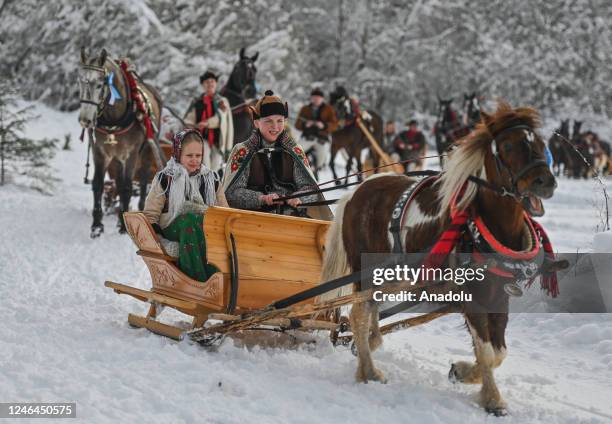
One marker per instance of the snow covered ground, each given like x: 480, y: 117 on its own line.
x: 64, y: 336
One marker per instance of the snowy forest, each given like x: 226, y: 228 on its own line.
x: 396, y: 56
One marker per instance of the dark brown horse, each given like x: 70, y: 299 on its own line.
x: 120, y: 144
x: 505, y: 150
x: 559, y: 149
x: 351, y: 138
x: 239, y: 91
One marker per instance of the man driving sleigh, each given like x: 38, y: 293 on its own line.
x: 270, y: 165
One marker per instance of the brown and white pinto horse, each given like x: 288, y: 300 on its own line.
x: 504, y: 150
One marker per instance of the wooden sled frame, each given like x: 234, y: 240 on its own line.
x: 261, y: 257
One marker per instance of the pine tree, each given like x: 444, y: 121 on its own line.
x: 20, y: 155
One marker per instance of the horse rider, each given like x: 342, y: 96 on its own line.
x: 410, y: 144
x: 269, y: 165
x: 316, y: 120
x: 211, y: 114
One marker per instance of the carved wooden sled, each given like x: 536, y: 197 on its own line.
x: 262, y: 258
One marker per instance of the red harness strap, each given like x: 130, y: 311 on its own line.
x: 456, y: 230
x: 549, y: 280
x: 133, y: 88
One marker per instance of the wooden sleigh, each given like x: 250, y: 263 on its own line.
x: 262, y: 258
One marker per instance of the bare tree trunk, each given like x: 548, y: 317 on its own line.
x: 339, y: 38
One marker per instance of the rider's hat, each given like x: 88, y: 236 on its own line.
x: 317, y: 92
x: 208, y: 75
x: 270, y: 105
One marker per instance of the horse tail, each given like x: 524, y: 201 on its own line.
x: 335, y: 261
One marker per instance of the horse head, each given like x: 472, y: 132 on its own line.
x: 564, y: 130
x: 445, y: 112
x: 93, y: 87
x: 471, y: 109
x: 340, y: 101
x: 576, y: 130
x: 507, y: 148
x: 242, y: 78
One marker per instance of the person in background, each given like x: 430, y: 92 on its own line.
x: 316, y: 120
x: 410, y: 145
x: 211, y: 114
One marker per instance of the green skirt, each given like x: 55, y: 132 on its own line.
x: 187, y: 230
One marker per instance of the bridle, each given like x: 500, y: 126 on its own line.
x: 104, y: 91
x: 532, y: 162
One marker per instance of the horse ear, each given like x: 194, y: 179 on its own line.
x: 103, y: 56
x: 83, y: 55
x: 241, y: 53
x: 255, y: 56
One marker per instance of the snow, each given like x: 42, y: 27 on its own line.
x: 602, y: 242
x: 65, y: 336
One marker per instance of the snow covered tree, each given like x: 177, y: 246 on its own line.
x: 21, y: 156
x: 396, y: 56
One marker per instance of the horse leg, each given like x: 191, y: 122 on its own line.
x: 143, y: 181
x: 489, y: 355
x: 361, y: 321
x: 360, y: 167
x: 375, y: 340
x: 349, y: 165
x: 125, y: 191
x: 97, y: 186
x: 332, y: 158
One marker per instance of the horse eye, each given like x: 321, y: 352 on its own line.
x: 507, y: 148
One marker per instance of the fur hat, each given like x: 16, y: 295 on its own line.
x: 207, y: 75
x: 270, y: 105
x: 317, y: 92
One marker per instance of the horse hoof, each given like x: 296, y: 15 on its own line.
x: 96, y: 231
x: 453, y: 377
x: 354, y: 350
x: 122, y: 230
x: 498, y: 412
x: 338, y: 182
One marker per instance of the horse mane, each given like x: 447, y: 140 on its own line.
x: 468, y: 157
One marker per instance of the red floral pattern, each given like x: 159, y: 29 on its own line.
x: 300, y: 153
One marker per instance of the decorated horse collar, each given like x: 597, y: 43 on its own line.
x: 517, y: 265
x: 468, y: 233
